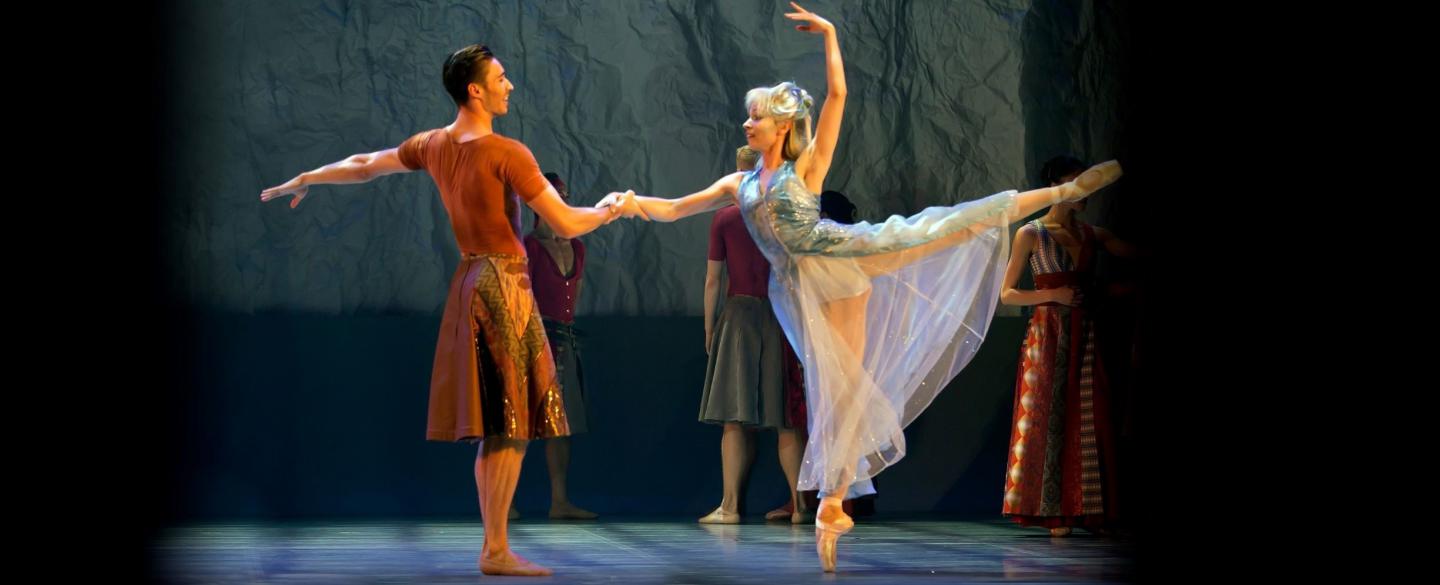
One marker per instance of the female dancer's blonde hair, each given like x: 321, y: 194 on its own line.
x: 785, y: 101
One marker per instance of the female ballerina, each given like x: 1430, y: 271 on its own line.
x: 882, y: 316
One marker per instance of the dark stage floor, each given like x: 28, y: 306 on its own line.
x: 627, y: 551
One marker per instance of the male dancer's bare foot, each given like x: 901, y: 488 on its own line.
x: 720, y: 516
x: 509, y: 563
x: 569, y: 511
x: 1062, y: 531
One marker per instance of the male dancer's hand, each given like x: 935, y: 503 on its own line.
x: 294, y: 187
x: 626, y: 203
x: 609, y: 200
